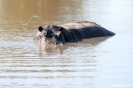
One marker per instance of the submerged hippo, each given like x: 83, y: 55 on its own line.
x: 71, y: 32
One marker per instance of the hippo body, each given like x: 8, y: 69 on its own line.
x: 71, y: 32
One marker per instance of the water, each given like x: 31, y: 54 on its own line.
x: 92, y: 63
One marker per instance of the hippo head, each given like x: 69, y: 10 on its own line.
x: 51, y: 34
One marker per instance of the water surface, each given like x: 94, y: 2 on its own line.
x: 92, y: 63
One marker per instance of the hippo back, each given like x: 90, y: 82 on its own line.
x: 85, y: 29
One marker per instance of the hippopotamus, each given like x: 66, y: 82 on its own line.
x: 70, y: 32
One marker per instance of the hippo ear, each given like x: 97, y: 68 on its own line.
x: 40, y: 28
x: 56, y: 28
x: 61, y: 29
x: 58, y: 32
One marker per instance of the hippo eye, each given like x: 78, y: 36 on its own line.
x: 52, y: 34
x: 44, y: 33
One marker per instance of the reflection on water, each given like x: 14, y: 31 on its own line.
x: 90, y: 43
x: 91, y: 63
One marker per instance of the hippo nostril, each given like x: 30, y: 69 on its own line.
x: 54, y: 43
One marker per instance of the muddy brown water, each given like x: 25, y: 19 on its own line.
x: 104, y: 62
